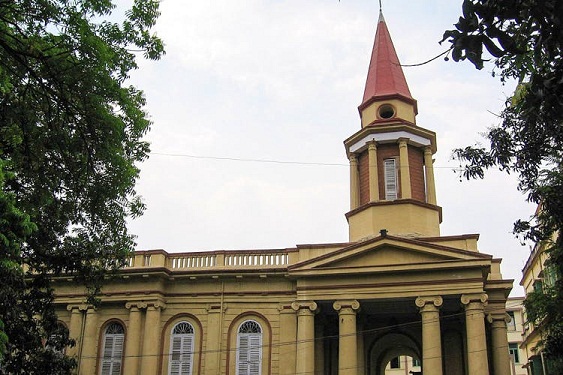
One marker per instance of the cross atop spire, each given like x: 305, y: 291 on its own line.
x: 385, y: 77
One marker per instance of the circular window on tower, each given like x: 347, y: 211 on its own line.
x: 386, y: 111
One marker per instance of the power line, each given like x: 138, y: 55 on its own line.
x: 271, y: 161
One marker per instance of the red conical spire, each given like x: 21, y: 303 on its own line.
x: 385, y: 76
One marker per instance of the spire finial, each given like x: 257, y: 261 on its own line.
x: 380, y: 7
x: 381, y: 19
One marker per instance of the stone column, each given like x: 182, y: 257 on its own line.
x: 431, y: 334
x: 133, y: 338
x: 499, y: 342
x: 305, y: 361
x: 151, y: 339
x: 354, y: 182
x: 477, y: 362
x: 348, y: 341
x: 213, y: 339
x: 404, y: 168
x: 430, y: 183
x: 75, y: 329
x: 88, y: 357
x: 288, y: 338
x: 373, y: 175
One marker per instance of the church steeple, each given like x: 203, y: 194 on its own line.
x: 386, y: 81
x: 385, y: 76
x: 391, y: 171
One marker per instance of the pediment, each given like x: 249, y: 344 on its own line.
x: 390, y: 252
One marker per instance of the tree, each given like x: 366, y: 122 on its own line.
x: 70, y: 140
x: 524, y: 40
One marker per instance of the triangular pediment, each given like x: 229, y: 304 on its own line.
x: 391, y: 252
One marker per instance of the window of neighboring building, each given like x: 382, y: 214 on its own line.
x: 514, y: 353
x: 249, y: 348
x: 112, y: 357
x: 511, y: 325
x: 538, y: 286
x: 396, y: 363
x: 415, y: 362
x: 390, y: 173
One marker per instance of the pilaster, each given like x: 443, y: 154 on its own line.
x: 429, y: 172
x: 151, y: 339
x: 373, y: 174
x: 288, y: 338
x: 406, y: 192
x: 89, y: 349
x: 75, y: 328
x: 212, y: 356
x: 354, y: 182
x: 133, y: 337
x: 305, y: 361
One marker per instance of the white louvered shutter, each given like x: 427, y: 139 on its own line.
x: 390, y: 179
x: 181, y: 354
x: 112, y: 354
x: 254, y: 353
x: 242, y: 354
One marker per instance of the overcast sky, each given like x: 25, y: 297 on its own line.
x: 281, y: 81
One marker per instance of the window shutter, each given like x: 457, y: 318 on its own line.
x: 255, y: 353
x: 181, y: 354
x: 242, y: 357
x: 390, y: 179
x: 112, y: 354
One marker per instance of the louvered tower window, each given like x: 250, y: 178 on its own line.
x: 112, y: 358
x: 249, y: 348
x: 181, y: 349
x: 390, y: 171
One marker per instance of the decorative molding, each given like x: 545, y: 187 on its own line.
x: 216, y: 308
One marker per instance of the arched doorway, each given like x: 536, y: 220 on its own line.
x: 387, y: 348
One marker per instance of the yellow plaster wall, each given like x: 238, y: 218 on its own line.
x: 400, y: 219
x: 403, y: 111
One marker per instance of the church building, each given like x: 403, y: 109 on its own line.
x: 397, y: 288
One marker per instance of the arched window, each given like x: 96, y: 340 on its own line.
x: 114, y: 336
x: 249, y: 348
x: 181, y: 349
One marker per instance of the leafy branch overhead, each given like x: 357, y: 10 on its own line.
x: 70, y: 142
x: 523, y: 40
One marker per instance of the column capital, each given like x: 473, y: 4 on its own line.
x: 433, y: 301
x: 136, y: 305
x: 353, y: 158
x: 498, y: 318
x: 402, y: 142
x: 304, y: 306
x: 467, y: 299
x: 372, y: 145
x: 340, y: 305
x: 79, y: 307
x: 427, y: 150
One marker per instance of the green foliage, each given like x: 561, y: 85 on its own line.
x: 524, y: 40
x: 70, y: 139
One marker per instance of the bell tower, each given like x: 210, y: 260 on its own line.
x: 391, y: 172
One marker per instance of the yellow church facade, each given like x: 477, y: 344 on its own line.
x: 396, y: 288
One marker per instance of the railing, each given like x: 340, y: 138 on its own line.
x: 210, y: 260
